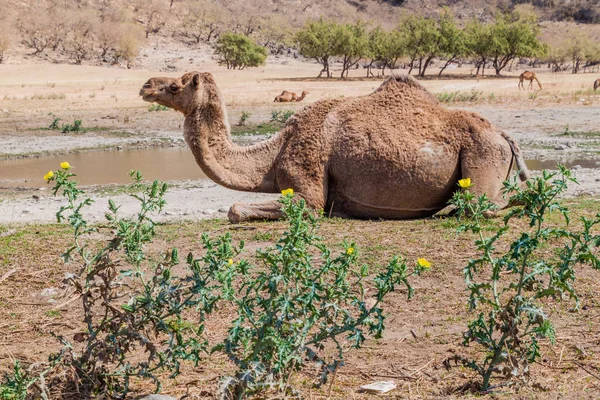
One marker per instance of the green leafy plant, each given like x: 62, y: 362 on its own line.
x: 300, y: 300
x: 238, y: 51
x: 281, y: 115
x: 509, y: 288
x: 76, y: 127
x: 14, y: 385
x: 157, y: 107
x: 54, y: 124
x: 303, y: 299
x: 244, y: 117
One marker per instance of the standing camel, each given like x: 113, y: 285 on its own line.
x: 596, y: 84
x: 286, y: 96
x: 396, y: 153
x: 528, y: 76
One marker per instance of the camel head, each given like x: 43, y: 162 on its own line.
x: 183, y: 94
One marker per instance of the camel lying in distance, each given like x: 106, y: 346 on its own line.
x: 528, y: 76
x: 286, y: 97
x: 396, y: 153
x: 596, y: 84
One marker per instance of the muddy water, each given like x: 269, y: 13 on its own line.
x: 104, y: 167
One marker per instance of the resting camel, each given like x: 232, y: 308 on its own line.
x: 528, y: 76
x: 286, y: 96
x: 396, y: 153
x: 596, y: 84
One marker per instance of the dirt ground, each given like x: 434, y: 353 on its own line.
x: 559, y: 122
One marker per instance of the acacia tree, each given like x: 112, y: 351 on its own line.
x: 479, y: 38
x: 453, y: 43
x: 385, y: 48
x: 239, y: 51
x: 350, y: 44
x: 514, y: 35
x: 317, y: 40
x: 422, y: 40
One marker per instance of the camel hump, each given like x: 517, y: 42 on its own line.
x: 403, y: 82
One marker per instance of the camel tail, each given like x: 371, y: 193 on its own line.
x: 516, y: 151
x: 538, y: 82
x: 596, y: 84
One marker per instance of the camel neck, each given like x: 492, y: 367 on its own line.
x: 246, y: 168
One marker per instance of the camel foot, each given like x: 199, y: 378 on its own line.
x: 240, y: 212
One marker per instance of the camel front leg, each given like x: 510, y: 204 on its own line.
x: 270, y: 210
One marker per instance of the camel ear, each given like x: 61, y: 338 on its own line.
x: 196, y: 80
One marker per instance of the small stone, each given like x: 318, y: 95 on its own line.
x: 42, y: 189
x: 576, y: 167
x: 559, y: 147
x: 119, y: 147
x: 168, y: 213
x: 49, y: 292
x: 25, y: 212
x: 157, y: 397
x: 223, y: 209
x: 208, y: 211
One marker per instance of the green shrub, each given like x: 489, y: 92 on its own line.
x: 76, y: 127
x: 508, y: 287
x: 14, y: 386
x: 54, y: 124
x: 281, y: 115
x: 239, y: 51
x: 244, y: 117
x: 302, y: 299
x: 157, y: 107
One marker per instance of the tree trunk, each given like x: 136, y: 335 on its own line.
x: 425, y: 65
x: 446, y: 65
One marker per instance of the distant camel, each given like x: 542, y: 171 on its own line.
x: 596, y: 84
x: 528, y: 76
x: 286, y: 97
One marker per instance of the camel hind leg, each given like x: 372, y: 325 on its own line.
x: 488, y: 165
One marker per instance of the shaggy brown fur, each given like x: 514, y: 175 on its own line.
x: 596, y: 84
x: 286, y: 96
x: 395, y: 153
x: 528, y: 76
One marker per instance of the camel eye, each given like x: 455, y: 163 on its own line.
x: 174, y: 88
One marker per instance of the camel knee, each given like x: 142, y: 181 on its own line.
x: 236, y: 214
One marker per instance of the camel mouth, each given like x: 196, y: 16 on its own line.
x: 148, y: 96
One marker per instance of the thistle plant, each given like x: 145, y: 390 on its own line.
x: 508, y: 289
x: 146, y: 318
x: 304, y: 298
x: 142, y: 319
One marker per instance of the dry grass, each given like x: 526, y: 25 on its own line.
x: 420, y: 335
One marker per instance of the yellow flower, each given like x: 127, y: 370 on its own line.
x: 287, y: 192
x: 423, y: 263
x: 49, y: 175
x: 230, y: 262
x: 350, y: 251
x: 465, y: 183
x: 65, y: 165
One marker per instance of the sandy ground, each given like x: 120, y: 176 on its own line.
x: 107, y: 102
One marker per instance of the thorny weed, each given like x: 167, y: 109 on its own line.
x: 509, y: 288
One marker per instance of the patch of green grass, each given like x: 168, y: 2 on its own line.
x: 459, y: 97
x: 52, y: 313
x: 266, y: 128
